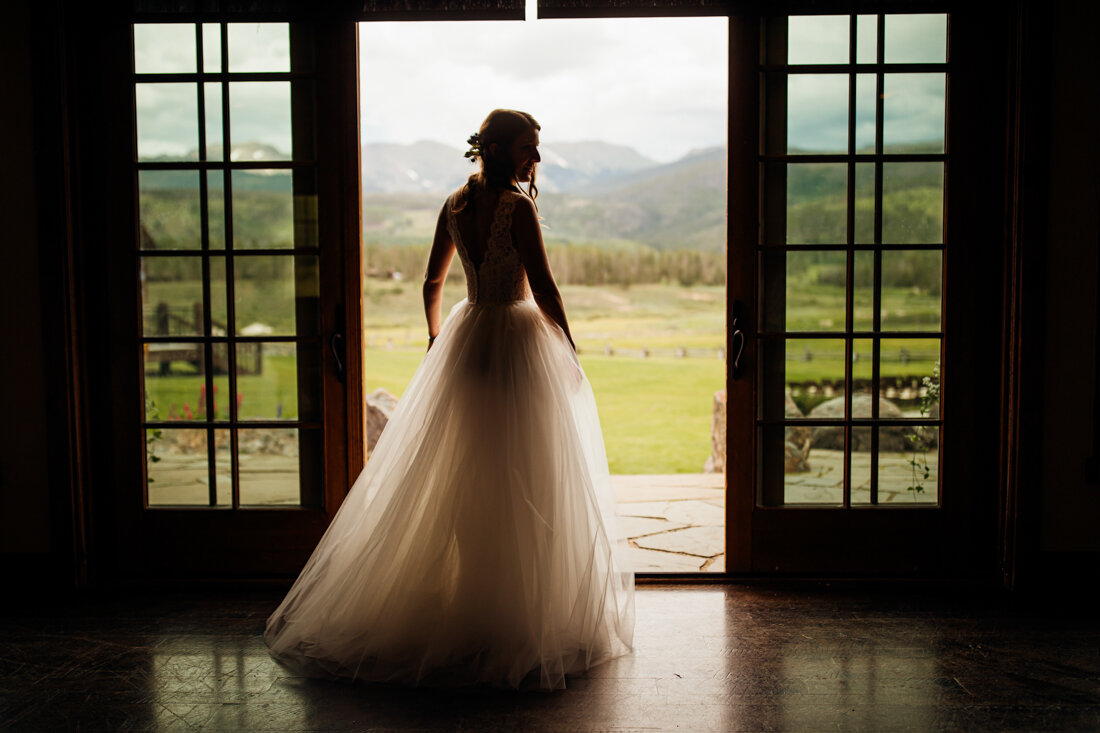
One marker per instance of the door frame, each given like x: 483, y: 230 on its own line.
x: 78, y: 220
x: 957, y: 538
x: 136, y: 544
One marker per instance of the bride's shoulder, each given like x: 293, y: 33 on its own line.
x: 522, y: 205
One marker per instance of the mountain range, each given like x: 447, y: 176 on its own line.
x: 590, y: 192
x: 432, y: 167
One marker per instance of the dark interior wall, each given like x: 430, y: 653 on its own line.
x: 1071, y: 504
x: 24, y: 464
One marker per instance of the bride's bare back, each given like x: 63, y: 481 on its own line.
x: 475, y: 221
x: 499, y: 241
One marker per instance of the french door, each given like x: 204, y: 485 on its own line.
x: 245, y: 262
x: 844, y: 455
x: 856, y: 294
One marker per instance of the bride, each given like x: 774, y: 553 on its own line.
x: 478, y: 544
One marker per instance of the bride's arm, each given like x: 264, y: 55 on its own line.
x: 439, y: 262
x: 527, y: 234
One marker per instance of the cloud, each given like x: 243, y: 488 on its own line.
x: 658, y: 85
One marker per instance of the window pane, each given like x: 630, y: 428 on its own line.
x: 826, y: 441
x: 911, y: 290
x: 223, y: 467
x: 169, y: 209
x: 817, y: 39
x: 815, y: 291
x: 916, y: 39
x: 909, y: 475
x: 219, y: 310
x: 177, y: 467
x: 866, y: 94
x: 798, y: 375
x: 863, y: 357
x: 866, y: 39
x: 861, y: 465
x: 817, y: 203
x: 863, y: 282
x: 912, y: 203
x: 263, y: 209
x: 215, y: 208
x: 903, y: 366
x: 171, y: 296
x: 220, y: 380
x: 913, y: 113
x: 267, y: 381
x: 815, y: 376
x: 275, y: 295
x: 164, y: 48
x: 259, y: 120
x: 791, y: 475
x: 259, y: 47
x: 213, y: 102
x: 269, y: 466
x: 865, y: 204
x: 211, y: 47
x: 175, y: 388
x: 817, y: 113
x: 167, y: 122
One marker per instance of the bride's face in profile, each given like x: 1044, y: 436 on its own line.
x: 525, y: 154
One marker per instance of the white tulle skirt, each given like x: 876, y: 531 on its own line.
x: 478, y: 545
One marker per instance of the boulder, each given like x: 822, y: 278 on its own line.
x: 890, y: 439
x: 380, y: 407
x: 716, y: 463
x: 794, y: 457
x: 797, y: 438
x: 796, y: 451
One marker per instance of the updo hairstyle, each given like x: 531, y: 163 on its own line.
x: 502, y: 127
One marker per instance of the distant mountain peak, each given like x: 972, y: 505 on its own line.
x: 432, y: 167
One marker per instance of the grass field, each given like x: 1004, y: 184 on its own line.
x: 271, y: 394
x: 655, y: 409
x: 655, y: 412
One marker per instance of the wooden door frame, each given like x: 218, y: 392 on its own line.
x: 981, y: 68
x: 79, y: 163
x: 963, y: 532
x: 102, y: 228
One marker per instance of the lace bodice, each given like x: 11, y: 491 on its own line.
x: 499, y: 277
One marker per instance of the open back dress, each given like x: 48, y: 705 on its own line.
x: 478, y: 544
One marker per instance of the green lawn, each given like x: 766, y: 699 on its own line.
x: 270, y: 394
x: 655, y: 410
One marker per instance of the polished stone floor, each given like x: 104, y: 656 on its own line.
x: 771, y: 657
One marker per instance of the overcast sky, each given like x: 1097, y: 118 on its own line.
x: 657, y: 85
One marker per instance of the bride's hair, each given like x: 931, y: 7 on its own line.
x: 501, y: 127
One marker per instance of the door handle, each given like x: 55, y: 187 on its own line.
x: 737, y: 339
x: 336, y: 345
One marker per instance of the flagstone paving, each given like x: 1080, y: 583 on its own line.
x: 672, y: 522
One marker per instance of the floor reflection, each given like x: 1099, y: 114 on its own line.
x: 721, y: 658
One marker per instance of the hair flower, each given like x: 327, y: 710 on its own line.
x: 474, y: 141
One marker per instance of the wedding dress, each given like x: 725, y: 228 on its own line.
x: 478, y: 544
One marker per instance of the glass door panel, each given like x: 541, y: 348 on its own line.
x: 850, y: 320
x: 228, y: 262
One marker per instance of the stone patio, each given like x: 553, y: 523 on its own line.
x: 674, y: 522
